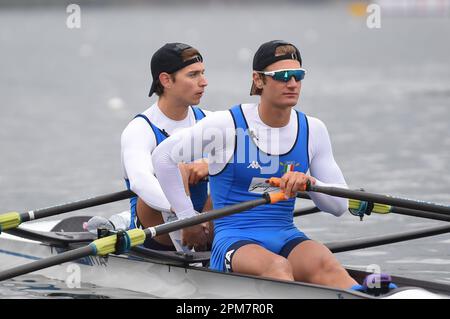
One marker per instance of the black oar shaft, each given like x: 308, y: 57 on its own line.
x: 394, y: 209
x: 306, y: 211
x: 71, y: 255
x: 419, y: 213
x: 81, y: 204
x: 102, y: 246
x: 386, y: 239
x: 204, y: 217
x: 381, y: 199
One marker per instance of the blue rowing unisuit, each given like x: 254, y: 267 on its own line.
x: 269, y: 225
x: 199, y: 192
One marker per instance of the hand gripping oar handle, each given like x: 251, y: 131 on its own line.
x: 276, y: 181
x: 372, y: 197
x: 106, y: 245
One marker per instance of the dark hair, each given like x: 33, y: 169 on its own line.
x: 185, y: 55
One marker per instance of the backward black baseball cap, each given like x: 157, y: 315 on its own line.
x: 265, y: 56
x: 168, y: 59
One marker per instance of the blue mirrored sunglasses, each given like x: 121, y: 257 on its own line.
x: 286, y: 75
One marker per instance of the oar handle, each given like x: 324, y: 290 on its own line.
x: 275, y: 197
x: 276, y: 181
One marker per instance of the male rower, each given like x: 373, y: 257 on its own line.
x: 268, y: 139
x: 179, y: 82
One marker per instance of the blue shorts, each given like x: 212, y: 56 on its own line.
x: 280, y: 241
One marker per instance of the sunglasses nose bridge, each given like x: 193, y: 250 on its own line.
x: 292, y: 80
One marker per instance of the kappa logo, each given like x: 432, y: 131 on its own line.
x: 254, y: 165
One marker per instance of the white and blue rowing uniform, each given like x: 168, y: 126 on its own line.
x: 198, y: 192
x: 270, y: 226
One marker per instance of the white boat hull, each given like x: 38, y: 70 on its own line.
x: 157, y: 279
x: 167, y: 280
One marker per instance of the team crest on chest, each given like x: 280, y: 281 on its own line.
x: 289, y: 166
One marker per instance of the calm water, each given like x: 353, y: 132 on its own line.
x: 384, y: 94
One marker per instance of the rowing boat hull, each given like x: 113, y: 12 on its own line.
x: 167, y: 279
x: 159, y: 279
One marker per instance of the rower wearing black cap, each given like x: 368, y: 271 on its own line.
x: 179, y: 82
x: 252, y: 143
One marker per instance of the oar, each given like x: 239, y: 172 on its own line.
x: 372, y: 197
x: 381, y: 199
x: 386, y: 209
x: 14, y: 219
x: 306, y: 211
x: 107, y: 245
x: 353, y: 244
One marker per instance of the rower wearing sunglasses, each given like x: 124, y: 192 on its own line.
x: 247, y: 145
